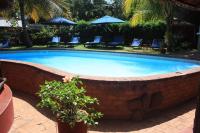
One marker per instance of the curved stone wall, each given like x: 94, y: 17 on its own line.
x: 6, y: 109
x: 120, y: 98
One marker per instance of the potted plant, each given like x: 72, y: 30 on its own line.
x: 67, y: 100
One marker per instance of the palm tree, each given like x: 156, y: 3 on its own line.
x: 40, y: 8
x: 37, y: 9
x: 145, y: 10
x: 26, y: 38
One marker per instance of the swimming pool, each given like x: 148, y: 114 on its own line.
x: 102, y: 64
x: 150, y: 88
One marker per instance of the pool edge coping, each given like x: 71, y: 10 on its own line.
x: 144, y: 78
x: 69, y: 49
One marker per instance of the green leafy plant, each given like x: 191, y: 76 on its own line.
x: 44, y: 33
x: 68, y: 101
x: 43, y: 36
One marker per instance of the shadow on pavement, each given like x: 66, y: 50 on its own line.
x: 33, y: 100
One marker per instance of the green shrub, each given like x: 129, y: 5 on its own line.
x: 83, y: 29
x: 150, y: 30
x: 43, y: 36
x: 147, y: 31
x: 13, y: 34
x: 127, y: 31
x: 68, y: 101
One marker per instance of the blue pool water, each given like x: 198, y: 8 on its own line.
x: 102, y: 63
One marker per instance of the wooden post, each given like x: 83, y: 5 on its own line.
x: 196, y: 128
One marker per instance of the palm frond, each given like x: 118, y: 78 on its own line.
x: 34, y: 15
x: 137, y: 18
x: 127, y: 5
x: 131, y: 5
x: 46, y: 8
x: 144, y: 10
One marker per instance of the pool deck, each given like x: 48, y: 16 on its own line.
x: 29, y: 119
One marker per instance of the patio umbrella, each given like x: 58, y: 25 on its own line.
x: 107, y: 20
x: 60, y: 21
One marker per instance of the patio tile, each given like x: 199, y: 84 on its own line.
x: 29, y: 119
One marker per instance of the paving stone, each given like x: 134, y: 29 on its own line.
x: 29, y: 119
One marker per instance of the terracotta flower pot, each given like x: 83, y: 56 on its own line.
x: 80, y: 127
x: 6, y: 107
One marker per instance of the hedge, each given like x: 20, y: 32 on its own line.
x: 147, y: 31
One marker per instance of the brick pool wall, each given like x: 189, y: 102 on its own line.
x: 120, y: 98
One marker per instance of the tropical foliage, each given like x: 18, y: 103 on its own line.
x: 150, y: 10
x: 116, y: 8
x: 36, y: 9
x: 147, y: 31
x: 86, y: 9
x: 91, y: 9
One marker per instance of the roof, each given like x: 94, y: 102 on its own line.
x: 7, y: 23
x: 189, y: 4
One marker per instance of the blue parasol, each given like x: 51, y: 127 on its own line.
x: 61, y: 21
x: 107, y: 20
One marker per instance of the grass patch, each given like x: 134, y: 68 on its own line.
x: 125, y: 49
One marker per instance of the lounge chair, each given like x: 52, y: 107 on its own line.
x: 155, y: 44
x: 4, y: 44
x: 117, y: 40
x: 74, y: 41
x: 136, y: 42
x: 97, y: 40
x: 55, y: 41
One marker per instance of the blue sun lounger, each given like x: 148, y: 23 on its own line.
x: 55, y: 41
x: 136, y: 42
x: 117, y: 40
x: 155, y: 44
x: 4, y: 44
x: 74, y: 41
x: 97, y: 40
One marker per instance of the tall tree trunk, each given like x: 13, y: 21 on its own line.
x: 168, y: 12
x: 169, y: 34
x: 196, y: 128
x: 26, y: 38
